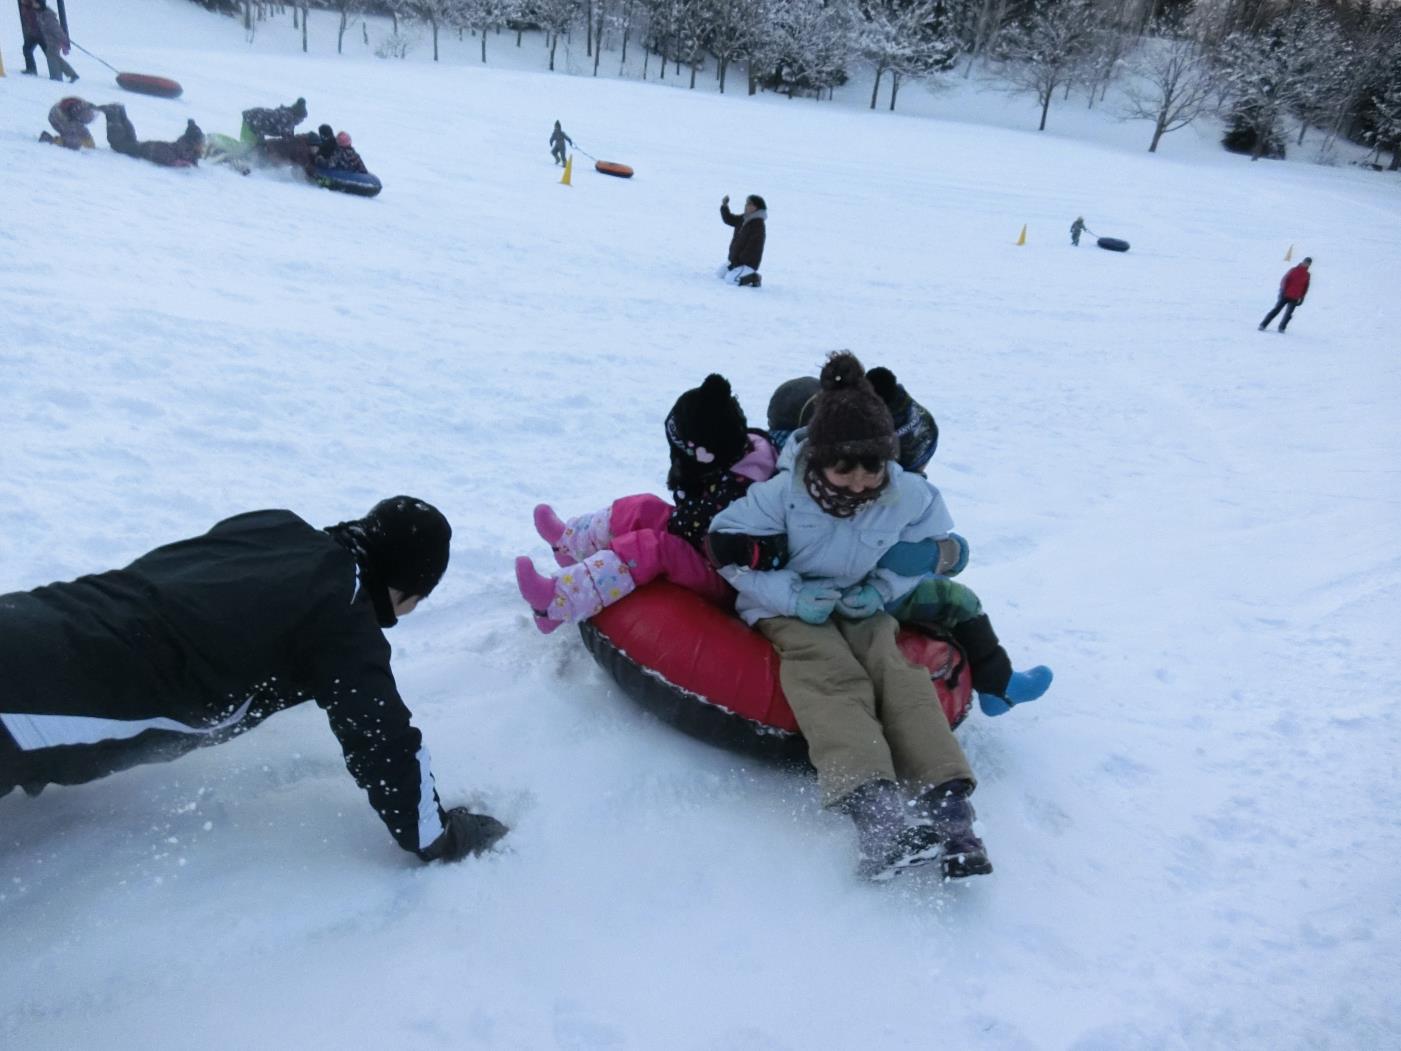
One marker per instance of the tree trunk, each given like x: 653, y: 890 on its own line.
x: 1303, y: 127
x: 693, y: 76
x: 721, y: 69
x: 875, y: 88
x: 340, y: 35
x: 627, y: 32
x: 894, y: 88
x: 483, y: 45
x: 1157, y: 134
x: 434, y: 23
x: 554, y: 43
x: 305, y: 12
x: 646, y: 58
x: 588, y: 32
x: 598, y: 46
x: 662, y: 55
x: 394, y: 16
x: 1045, y: 108
x: 753, y: 82
x: 519, y: 33
x: 365, y: 32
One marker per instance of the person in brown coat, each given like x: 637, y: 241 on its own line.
x: 70, y: 118
x: 184, y: 152
x: 747, y: 243
x: 55, y: 40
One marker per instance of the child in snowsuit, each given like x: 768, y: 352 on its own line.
x: 869, y: 716
x: 1292, y: 290
x: 936, y: 601
x: 184, y: 152
x: 715, y: 458
x: 1076, y: 229
x: 747, y: 242
x: 557, y: 140
x: 262, y: 123
x: 56, y: 43
x: 70, y: 118
x: 335, y: 152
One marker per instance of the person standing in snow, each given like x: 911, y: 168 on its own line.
x: 33, y: 35
x: 184, y: 152
x: 557, y: 140
x: 608, y: 554
x: 199, y: 641
x: 70, y: 117
x: 1076, y: 229
x: 56, y: 42
x: 1292, y: 290
x: 873, y: 727
x: 747, y: 242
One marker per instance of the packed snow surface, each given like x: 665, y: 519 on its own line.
x: 1197, y: 833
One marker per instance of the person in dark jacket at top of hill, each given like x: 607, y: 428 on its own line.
x: 1292, y: 291
x: 33, y: 36
x: 557, y: 140
x: 336, y: 152
x: 747, y: 244
x: 199, y: 641
x: 184, y: 152
x: 70, y: 118
x: 56, y: 42
x: 261, y: 123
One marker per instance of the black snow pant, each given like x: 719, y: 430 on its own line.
x: 121, y: 134
x: 30, y: 43
x: 1287, y: 305
x: 557, y: 152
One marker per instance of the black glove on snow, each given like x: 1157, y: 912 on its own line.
x: 466, y: 833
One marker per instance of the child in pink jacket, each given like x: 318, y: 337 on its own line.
x: 606, y: 555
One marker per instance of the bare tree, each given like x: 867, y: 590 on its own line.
x: 482, y: 16
x: 1047, y: 51
x: 555, y: 17
x: 437, y: 13
x: 735, y: 29
x: 1171, y: 83
x: 905, y: 38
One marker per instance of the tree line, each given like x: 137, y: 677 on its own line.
x: 1271, y: 68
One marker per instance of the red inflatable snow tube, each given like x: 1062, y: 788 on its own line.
x: 163, y: 87
x: 620, y: 171
x: 700, y: 669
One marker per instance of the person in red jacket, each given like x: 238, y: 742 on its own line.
x: 1292, y: 291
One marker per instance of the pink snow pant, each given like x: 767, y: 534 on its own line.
x: 638, y: 524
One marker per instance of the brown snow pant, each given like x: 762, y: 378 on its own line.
x: 866, y: 711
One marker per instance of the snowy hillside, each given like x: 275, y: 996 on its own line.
x: 1196, y: 833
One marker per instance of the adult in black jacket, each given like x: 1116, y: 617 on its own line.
x: 201, y: 640
x: 747, y: 243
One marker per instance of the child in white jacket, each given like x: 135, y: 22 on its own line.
x: 870, y: 717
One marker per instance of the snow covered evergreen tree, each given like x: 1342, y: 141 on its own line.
x: 906, y: 38
x: 808, y: 46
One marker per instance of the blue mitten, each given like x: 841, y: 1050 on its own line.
x: 816, y: 601
x: 947, y: 557
x: 860, y: 601
x: 1023, y: 686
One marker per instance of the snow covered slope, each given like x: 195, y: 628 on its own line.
x: 1196, y: 833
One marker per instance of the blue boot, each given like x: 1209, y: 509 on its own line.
x: 1023, y: 686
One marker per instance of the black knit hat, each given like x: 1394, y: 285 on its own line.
x: 915, y: 428
x: 407, y: 542
x: 851, y: 422
x: 793, y: 403
x: 298, y: 109
x: 706, y: 430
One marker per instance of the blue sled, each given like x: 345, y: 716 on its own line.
x: 361, y: 184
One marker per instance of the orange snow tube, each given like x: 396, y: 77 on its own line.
x: 622, y: 171
x: 161, y: 87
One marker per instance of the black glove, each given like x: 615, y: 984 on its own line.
x: 466, y: 833
x: 753, y: 552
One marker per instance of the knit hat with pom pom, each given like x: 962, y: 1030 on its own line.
x: 851, y: 422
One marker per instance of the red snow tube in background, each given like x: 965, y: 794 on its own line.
x: 162, y: 87
x: 700, y: 669
x: 622, y: 171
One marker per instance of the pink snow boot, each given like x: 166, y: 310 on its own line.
x: 576, y: 539
x: 577, y: 593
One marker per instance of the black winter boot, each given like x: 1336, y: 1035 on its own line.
x: 750, y: 281
x: 888, y: 843
x: 950, y: 817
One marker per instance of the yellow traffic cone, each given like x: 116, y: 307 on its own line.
x: 568, y: 171
x: 1289, y: 255
x: 1021, y: 239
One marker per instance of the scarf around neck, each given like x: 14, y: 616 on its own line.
x: 833, y: 499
